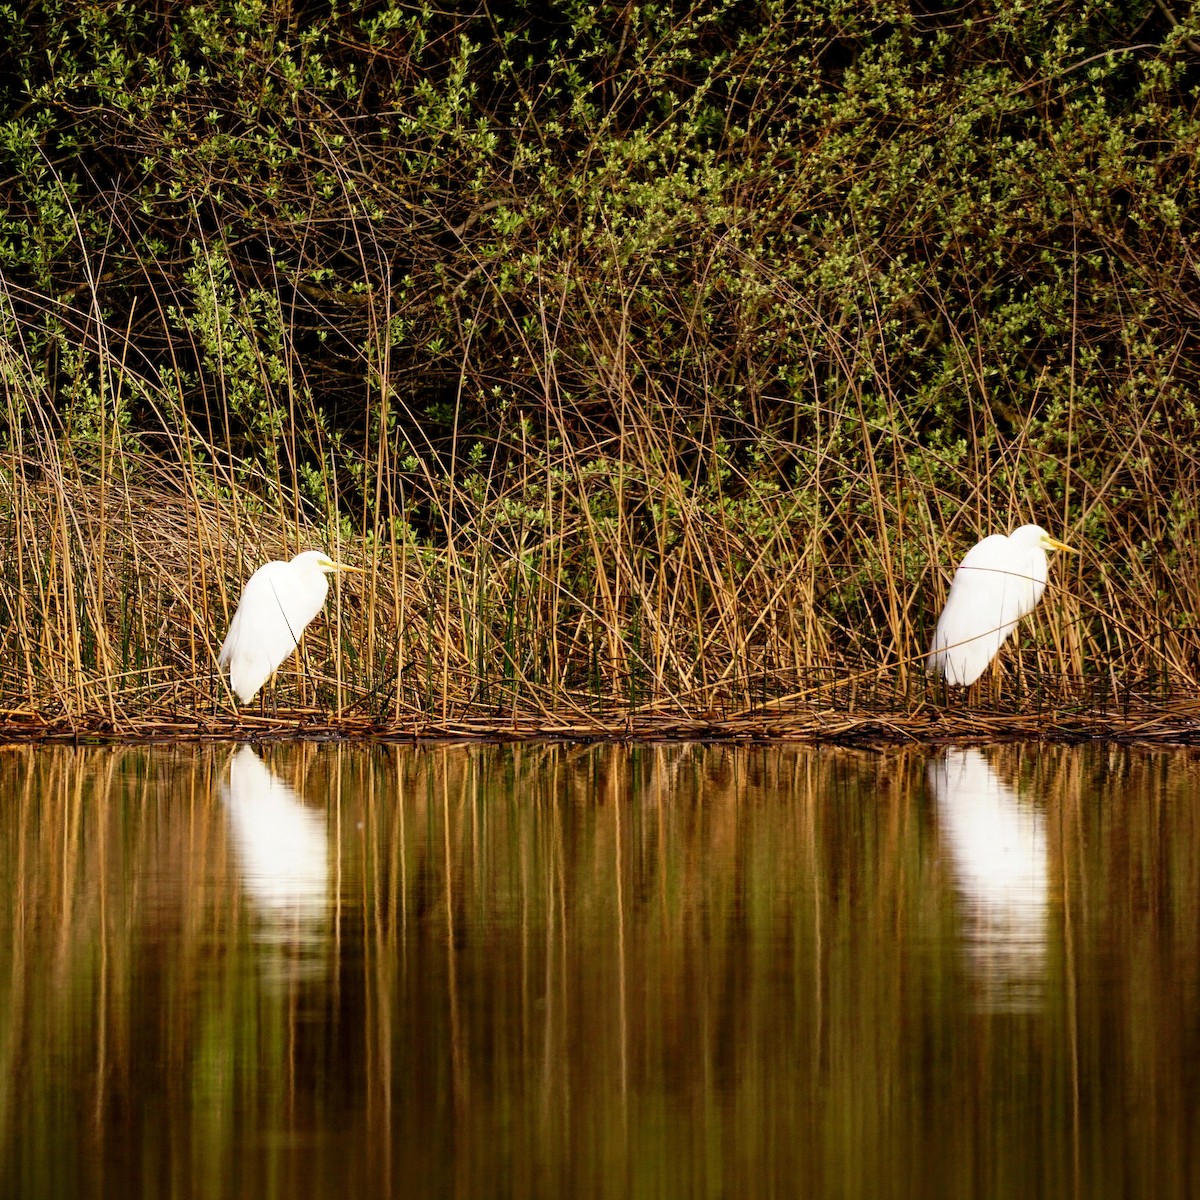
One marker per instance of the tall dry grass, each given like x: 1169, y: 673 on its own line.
x: 569, y: 570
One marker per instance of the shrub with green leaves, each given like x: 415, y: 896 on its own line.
x: 693, y: 343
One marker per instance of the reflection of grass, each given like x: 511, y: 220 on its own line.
x: 597, y: 965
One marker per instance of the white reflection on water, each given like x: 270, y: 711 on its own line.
x: 283, y: 851
x: 997, y: 846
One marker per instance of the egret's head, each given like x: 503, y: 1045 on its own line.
x: 1035, y: 535
x: 323, y: 563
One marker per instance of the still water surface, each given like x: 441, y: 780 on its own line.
x: 601, y: 971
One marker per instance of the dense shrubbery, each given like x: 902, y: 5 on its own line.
x: 719, y: 326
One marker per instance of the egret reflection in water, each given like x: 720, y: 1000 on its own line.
x: 282, y: 849
x: 997, y: 847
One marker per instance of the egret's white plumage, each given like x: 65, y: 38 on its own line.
x: 277, y: 603
x: 999, y: 581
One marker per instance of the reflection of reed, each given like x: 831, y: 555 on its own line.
x: 998, y: 849
x: 589, y: 969
x: 282, y: 847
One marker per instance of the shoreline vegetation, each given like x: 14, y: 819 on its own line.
x: 656, y: 365
x: 1134, y: 721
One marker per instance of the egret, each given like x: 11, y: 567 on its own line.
x: 999, y: 581
x: 277, y: 603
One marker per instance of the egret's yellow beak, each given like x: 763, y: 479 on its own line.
x: 1055, y: 544
x: 330, y: 566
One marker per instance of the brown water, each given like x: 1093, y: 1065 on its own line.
x: 599, y: 971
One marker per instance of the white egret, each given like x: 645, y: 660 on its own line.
x: 278, y: 602
x: 999, y: 581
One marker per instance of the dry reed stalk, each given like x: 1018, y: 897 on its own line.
x: 567, y: 574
